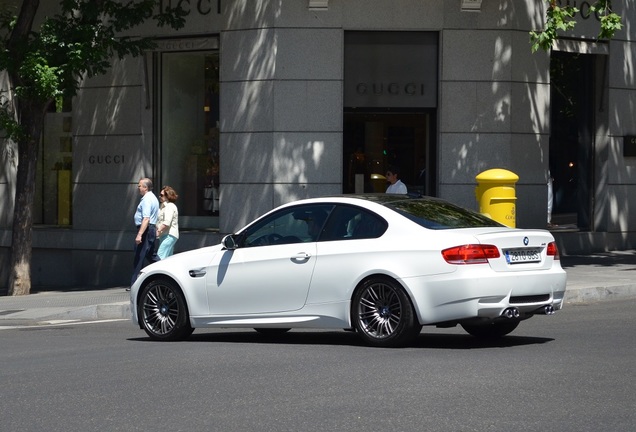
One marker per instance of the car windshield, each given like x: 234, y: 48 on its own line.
x: 432, y: 213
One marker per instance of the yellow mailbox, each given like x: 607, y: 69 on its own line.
x: 495, y: 193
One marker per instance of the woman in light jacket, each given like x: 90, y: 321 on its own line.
x: 168, y: 224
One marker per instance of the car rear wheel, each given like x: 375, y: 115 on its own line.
x: 383, y: 315
x: 163, y: 311
x: 491, y: 330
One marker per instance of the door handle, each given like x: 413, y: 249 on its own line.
x: 301, y: 256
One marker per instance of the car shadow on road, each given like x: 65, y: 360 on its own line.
x: 464, y: 342
x: 336, y: 338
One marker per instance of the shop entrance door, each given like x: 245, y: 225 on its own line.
x: 374, y: 141
x: 573, y: 86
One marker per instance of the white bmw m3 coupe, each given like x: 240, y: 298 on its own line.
x: 381, y: 265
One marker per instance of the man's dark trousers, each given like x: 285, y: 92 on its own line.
x: 145, y: 251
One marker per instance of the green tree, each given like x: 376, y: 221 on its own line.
x: 561, y: 19
x: 48, y: 63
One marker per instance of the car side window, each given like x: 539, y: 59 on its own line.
x: 291, y: 225
x: 350, y: 222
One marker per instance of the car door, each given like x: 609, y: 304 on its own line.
x: 349, y: 248
x: 270, y: 270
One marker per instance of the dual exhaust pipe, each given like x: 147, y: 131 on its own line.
x: 510, y: 313
x: 547, y: 310
x: 513, y: 312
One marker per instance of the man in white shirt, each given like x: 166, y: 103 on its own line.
x: 396, y: 186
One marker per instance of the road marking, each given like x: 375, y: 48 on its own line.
x: 60, y: 323
x: 56, y: 322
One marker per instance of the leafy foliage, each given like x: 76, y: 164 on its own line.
x: 610, y: 21
x: 80, y: 41
x: 561, y: 19
x: 46, y: 64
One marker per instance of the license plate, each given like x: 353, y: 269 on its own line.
x: 517, y: 256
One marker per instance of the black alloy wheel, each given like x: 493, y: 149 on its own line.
x: 382, y: 313
x: 163, y: 311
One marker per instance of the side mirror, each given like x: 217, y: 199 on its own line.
x: 228, y: 242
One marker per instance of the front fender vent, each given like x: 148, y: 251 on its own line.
x: 197, y: 273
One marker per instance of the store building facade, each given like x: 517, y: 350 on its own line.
x: 254, y: 104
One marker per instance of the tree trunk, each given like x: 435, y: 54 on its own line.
x: 19, y: 282
x: 32, y: 118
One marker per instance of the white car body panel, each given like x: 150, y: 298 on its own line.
x: 235, y: 284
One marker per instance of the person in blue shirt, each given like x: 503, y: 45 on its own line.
x: 145, y: 219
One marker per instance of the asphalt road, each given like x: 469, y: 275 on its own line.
x: 573, y: 371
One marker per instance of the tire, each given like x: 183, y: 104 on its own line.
x: 272, y: 331
x: 383, y: 315
x: 163, y: 311
x: 491, y: 330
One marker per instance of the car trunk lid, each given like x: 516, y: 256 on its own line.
x: 520, y: 249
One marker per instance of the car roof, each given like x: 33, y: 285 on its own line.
x: 384, y: 198
x: 378, y: 198
x: 385, y: 205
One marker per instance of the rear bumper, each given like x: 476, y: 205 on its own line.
x: 485, y: 294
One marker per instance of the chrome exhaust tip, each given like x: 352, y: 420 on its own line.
x: 545, y: 310
x: 510, y: 313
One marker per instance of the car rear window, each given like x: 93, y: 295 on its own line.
x: 439, y: 215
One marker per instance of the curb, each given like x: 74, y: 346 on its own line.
x: 96, y: 312
x: 596, y: 294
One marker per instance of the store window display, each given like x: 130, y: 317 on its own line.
x: 189, y: 103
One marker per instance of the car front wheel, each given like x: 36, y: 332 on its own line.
x: 383, y: 315
x: 163, y: 311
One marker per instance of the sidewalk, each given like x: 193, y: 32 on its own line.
x: 66, y: 305
x: 591, y: 278
x: 600, y: 276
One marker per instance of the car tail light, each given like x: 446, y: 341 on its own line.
x: 553, y: 250
x: 470, y: 254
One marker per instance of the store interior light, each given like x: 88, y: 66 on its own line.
x: 318, y: 4
x: 471, y: 5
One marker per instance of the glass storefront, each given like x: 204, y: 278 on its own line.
x: 53, y: 191
x: 189, y: 134
x: 373, y: 142
x: 390, y: 100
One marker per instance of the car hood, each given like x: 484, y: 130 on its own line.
x: 182, y: 261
